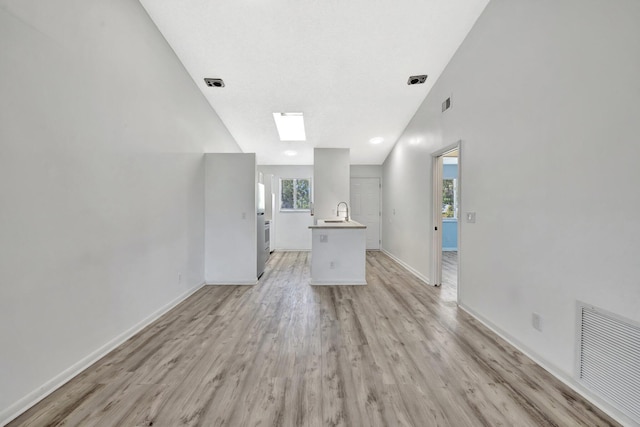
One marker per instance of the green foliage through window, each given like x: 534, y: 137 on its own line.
x: 295, y: 194
x: 448, y: 198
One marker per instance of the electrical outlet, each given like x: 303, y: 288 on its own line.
x: 244, y: 215
x: 332, y: 265
x: 536, y: 321
x: 179, y: 278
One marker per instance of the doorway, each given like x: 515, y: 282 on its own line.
x: 446, y: 226
x: 365, y: 208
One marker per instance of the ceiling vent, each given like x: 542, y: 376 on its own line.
x: 214, y: 82
x: 417, y: 80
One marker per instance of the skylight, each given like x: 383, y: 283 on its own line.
x: 290, y: 126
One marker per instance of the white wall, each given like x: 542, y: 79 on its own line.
x: 230, y: 218
x: 289, y: 230
x: 366, y: 171
x: 331, y: 184
x: 101, y: 185
x: 545, y: 97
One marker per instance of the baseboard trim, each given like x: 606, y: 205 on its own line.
x: 315, y: 283
x: 23, y: 404
x: 232, y: 283
x: 549, y: 367
x: 292, y: 250
x: 406, y: 266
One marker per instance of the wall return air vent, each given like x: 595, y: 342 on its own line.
x: 609, y: 358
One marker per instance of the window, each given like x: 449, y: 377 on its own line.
x: 450, y: 198
x: 295, y: 194
x: 450, y: 186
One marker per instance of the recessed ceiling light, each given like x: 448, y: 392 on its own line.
x: 214, y: 82
x: 376, y: 140
x: 417, y: 80
x: 290, y: 153
x: 290, y: 126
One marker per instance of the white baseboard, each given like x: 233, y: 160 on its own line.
x: 16, y: 409
x: 292, y: 250
x: 549, y: 367
x: 406, y: 266
x: 315, y: 283
x: 255, y: 282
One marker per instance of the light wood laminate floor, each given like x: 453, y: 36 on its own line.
x: 449, y: 276
x: 284, y: 353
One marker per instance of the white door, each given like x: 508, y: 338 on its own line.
x: 437, y: 221
x: 365, y: 207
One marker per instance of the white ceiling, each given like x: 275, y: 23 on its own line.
x: 344, y: 63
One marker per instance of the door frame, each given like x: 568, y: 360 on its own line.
x: 379, y: 206
x: 436, y: 221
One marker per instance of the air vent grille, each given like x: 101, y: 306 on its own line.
x: 610, y: 358
x: 446, y: 104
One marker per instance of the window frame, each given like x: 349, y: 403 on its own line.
x: 281, y: 209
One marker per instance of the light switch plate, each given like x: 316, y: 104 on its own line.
x: 471, y: 217
x: 324, y: 238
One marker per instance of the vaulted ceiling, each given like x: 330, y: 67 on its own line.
x: 343, y: 63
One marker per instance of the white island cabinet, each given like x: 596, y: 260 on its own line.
x: 338, y: 253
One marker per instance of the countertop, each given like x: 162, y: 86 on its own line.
x: 343, y: 224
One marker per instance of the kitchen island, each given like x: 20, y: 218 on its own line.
x: 338, y: 253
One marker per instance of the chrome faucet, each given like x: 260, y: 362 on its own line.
x: 338, y: 210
